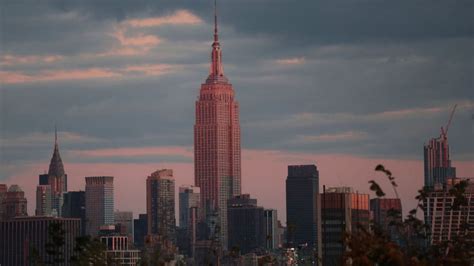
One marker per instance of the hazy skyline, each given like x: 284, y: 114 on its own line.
x: 344, y: 85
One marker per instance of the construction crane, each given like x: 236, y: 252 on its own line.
x: 444, y: 131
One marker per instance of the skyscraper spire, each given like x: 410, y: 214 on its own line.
x: 56, y: 167
x: 216, y: 36
x: 216, y: 73
x: 217, y: 152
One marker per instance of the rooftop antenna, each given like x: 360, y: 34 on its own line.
x: 55, y: 134
x: 216, y: 37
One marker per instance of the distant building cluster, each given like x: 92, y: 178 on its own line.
x: 218, y: 224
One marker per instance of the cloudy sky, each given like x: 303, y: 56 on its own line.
x: 341, y: 84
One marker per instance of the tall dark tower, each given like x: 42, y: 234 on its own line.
x: 302, y: 210
x: 217, y: 142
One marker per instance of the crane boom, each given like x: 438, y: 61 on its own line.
x: 450, y: 118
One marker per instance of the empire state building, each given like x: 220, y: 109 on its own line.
x: 217, y: 142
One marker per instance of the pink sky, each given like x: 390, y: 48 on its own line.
x: 263, y: 176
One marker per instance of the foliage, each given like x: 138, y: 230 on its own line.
x: 89, y: 252
x: 365, y: 248
x: 156, y: 254
x: 390, y: 178
x: 267, y: 260
x: 376, y: 188
x: 35, y: 258
x: 374, y: 247
x: 234, y: 252
x: 55, y: 244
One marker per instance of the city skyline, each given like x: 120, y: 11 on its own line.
x: 299, y: 132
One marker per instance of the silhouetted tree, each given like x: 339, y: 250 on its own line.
x: 34, y: 257
x: 55, y: 245
x: 374, y: 247
x: 89, y: 251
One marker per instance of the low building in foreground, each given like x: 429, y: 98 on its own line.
x: 385, y: 213
x: 139, y: 230
x: 23, y: 239
x: 246, y: 224
x: 342, y: 211
x: 118, y: 246
x: 445, y: 222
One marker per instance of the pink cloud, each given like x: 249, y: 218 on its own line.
x: 344, y: 136
x: 8, y: 77
x: 408, y: 112
x: 145, y: 151
x: 138, y: 44
x: 150, y: 70
x: 10, y: 59
x: 138, y: 40
x: 54, y: 75
x: 39, y: 138
x: 312, y: 119
x: 11, y: 77
x: 291, y: 61
x: 180, y: 17
x: 124, y: 51
x: 90, y: 73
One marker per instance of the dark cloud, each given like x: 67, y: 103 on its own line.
x: 329, y: 59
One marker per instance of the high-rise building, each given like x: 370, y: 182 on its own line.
x: 160, y: 204
x: 437, y: 164
x: 189, y: 197
x: 3, y: 191
x: 22, y: 237
x: 99, y: 203
x: 43, y: 200
x: 281, y: 234
x: 385, y: 212
x: 189, y: 204
x: 246, y: 224
x: 56, y: 179
x: 124, y: 220
x: 207, y: 253
x: 217, y: 142
x: 342, y: 211
x: 43, y: 179
x: 191, y: 230
x: 270, y: 227
x: 139, y: 230
x: 74, y: 206
x: 445, y: 222
x: 302, y: 207
x: 14, y: 203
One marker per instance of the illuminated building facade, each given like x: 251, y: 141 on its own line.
x: 217, y: 157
